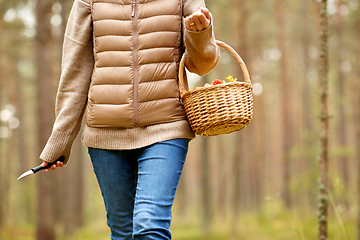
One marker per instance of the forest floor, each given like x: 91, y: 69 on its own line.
x: 250, y: 227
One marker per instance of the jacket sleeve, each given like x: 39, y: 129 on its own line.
x: 71, y: 99
x: 201, y: 52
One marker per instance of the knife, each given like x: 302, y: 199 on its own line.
x: 39, y: 168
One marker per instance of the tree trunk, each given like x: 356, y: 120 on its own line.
x: 1, y: 141
x: 323, y: 200
x: 357, y: 141
x: 45, y: 223
x: 306, y: 91
x: 358, y: 154
x: 240, y: 17
x: 205, y: 181
x: 306, y: 60
x: 73, y: 214
x: 221, y: 167
x: 237, y: 184
x: 286, y: 130
x: 79, y: 186
x: 341, y: 125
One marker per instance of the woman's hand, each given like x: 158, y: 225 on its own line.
x: 199, y: 20
x: 53, y: 167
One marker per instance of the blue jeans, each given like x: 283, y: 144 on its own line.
x: 138, y: 187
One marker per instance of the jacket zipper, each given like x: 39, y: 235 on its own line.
x: 135, y: 62
x: 133, y: 8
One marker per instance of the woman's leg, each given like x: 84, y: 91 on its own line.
x: 160, y: 167
x: 116, y: 172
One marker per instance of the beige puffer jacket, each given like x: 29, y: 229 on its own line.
x: 137, y: 48
x: 201, y: 55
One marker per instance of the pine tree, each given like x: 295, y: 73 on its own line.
x: 358, y: 125
x: 45, y: 222
x: 323, y: 199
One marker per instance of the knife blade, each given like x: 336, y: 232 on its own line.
x: 39, y: 168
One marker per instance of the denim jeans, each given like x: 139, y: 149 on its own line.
x: 138, y: 187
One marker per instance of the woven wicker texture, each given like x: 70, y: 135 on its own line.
x: 218, y: 109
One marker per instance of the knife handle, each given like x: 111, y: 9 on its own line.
x: 39, y: 168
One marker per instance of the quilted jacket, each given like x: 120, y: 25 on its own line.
x: 119, y: 68
x: 137, y: 48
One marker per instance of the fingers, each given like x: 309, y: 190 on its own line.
x: 44, y: 164
x: 53, y: 167
x: 199, y: 20
x: 206, y: 12
x: 197, y: 23
x: 189, y: 24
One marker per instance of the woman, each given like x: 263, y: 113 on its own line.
x: 119, y: 68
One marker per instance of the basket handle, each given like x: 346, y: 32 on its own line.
x: 230, y: 50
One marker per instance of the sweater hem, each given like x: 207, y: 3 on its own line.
x: 133, y: 138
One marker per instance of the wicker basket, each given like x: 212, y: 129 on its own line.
x: 218, y: 109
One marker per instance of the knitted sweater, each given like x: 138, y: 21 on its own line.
x: 77, y: 66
